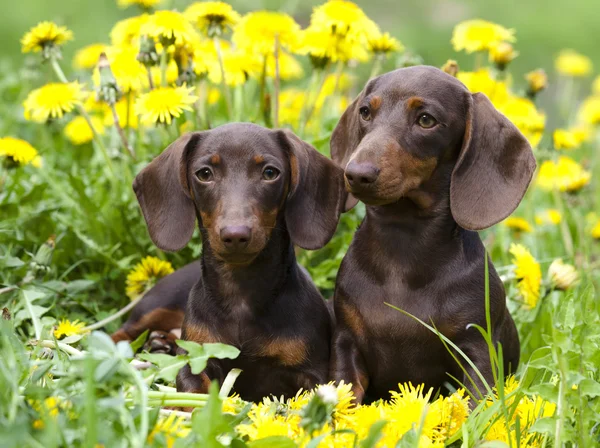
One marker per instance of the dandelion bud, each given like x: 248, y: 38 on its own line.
x: 537, y: 80
x: 108, y: 90
x: 328, y: 394
x: 502, y: 54
x: 148, y: 54
x: 318, y: 411
x: 451, y: 67
x: 562, y: 276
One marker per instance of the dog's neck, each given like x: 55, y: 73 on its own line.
x: 254, y: 284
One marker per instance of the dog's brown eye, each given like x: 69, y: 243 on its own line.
x: 427, y: 121
x: 270, y: 173
x: 204, y: 175
x: 365, y: 113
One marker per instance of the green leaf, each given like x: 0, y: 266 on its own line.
x: 209, y: 422
x: 375, y: 433
x: 139, y: 341
x: 168, y: 365
x: 273, y: 442
x: 546, y: 425
x: 590, y: 388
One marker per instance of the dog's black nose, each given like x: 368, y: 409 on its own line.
x: 361, y: 174
x: 236, y: 237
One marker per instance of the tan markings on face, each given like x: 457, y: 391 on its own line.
x: 290, y: 352
x: 199, y: 334
x: 209, y: 222
x: 258, y: 159
x: 375, y: 102
x: 414, y: 102
x: 215, y: 159
x: 402, y: 172
x: 267, y: 220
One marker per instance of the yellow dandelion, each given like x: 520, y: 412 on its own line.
x: 53, y: 101
x: 571, y: 63
x: 528, y: 273
x: 517, y: 224
x: 562, y: 275
x: 384, y: 44
x: 233, y: 404
x: 239, y: 66
x: 537, y: 81
x: 172, y: 73
x: 564, y: 175
x: 68, y: 328
x: 87, y: 57
x: 78, y: 130
x: 212, y: 18
x: 256, y: 32
x: 169, y: 27
x: 264, y: 421
x: 329, y: 85
x: 344, y: 408
x: 131, y: 75
x: 589, y: 111
x: 291, y: 105
x: 596, y: 85
x: 126, y: 121
x: 344, y: 18
x: 170, y: 428
x: 143, y: 3
x: 595, y: 232
x: 145, y: 274
x: 549, y: 216
x: 289, y: 67
x: 501, y: 54
x: 482, y: 81
x: 525, y: 116
x: 565, y: 139
x: 214, y: 95
x: 19, y: 152
x: 323, y: 46
x: 45, y: 34
x: 127, y: 32
x: 479, y: 35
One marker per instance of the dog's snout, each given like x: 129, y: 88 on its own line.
x: 361, y: 174
x: 236, y: 237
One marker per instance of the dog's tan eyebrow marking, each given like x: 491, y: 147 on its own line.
x: 259, y: 159
x: 414, y: 102
x: 375, y: 102
x: 215, y: 159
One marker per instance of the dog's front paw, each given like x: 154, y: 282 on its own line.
x: 161, y: 342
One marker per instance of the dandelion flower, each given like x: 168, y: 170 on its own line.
x: 264, y: 422
x: 145, y: 274
x: 256, y: 32
x: 68, y: 328
x: 562, y: 275
x: 172, y: 73
x: 571, y: 63
x: 170, y: 428
x: 595, y: 232
x: 19, y: 152
x: 87, y: 57
x: 450, y: 67
x: 502, y: 54
x: 479, y: 35
x: 344, y: 18
x: 384, y: 44
x: 131, y: 75
x: 324, y: 46
x: 564, y: 175
x: 168, y: 28
x: 127, y: 32
x: 78, y: 130
x: 43, y: 35
x: 565, y: 139
x: 590, y: 110
x: 289, y: 67
x: 525, y: 116
x: 518, y: 224
x: 238, y: 65
x: 163, y: 104
x: 528, y: 273
x: 549, y: 216
x: 482, y: 81
x: 537, y: 81
x: 53, y: 101
x: 143, y: 3
x: 291, y: 105
x: 212, y: 18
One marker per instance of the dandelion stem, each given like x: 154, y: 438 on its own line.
x: 226, y: 92
x: 150, y: 81
x: 163, y: 67
x: 376, y: 66
x: 58, y: 345
x: 120, y: 131
x: 313, y: 104
x: 564, y: 226
x: 114, y: 316
x: 276, y: 55
x: 61, y: 76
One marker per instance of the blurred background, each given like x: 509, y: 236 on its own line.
x: 424, y: 27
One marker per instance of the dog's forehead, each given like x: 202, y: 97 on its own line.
x: 422, y: 81
x: 239, y: 141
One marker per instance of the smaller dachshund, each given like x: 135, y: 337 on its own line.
x: 255, y: 193
x: 433, y: 163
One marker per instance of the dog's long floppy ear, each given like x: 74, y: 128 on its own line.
x: 344, y: 140
x: 163, y: 193
x: 316, y: 196
x: 494, y: 168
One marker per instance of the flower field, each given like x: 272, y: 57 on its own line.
x: 75, y: 254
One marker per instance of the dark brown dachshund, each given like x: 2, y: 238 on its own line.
x: 433, y: 163
x: 161, y: 311
x: 255, y: 193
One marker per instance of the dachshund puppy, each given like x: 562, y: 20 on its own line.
x: 255, y: 192
x: 433, y: 163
